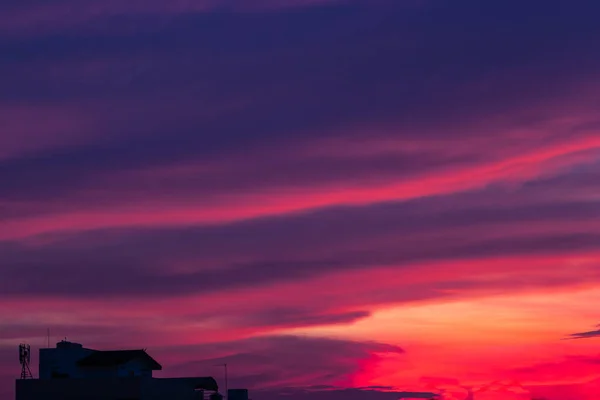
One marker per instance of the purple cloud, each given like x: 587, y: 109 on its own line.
x: 335, y: 394
x: 584, y: 335
x: 282, y: 361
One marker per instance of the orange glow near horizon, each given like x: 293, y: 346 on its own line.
x: 479, y: 340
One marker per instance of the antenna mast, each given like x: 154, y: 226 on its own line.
x: 25, y: 360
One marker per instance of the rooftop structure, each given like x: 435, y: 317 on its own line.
x: 71, y: 371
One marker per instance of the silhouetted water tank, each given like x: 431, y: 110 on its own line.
x: 68, y: 345
x: 237, y: 394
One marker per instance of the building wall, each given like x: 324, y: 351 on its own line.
x: 97, y: 372
x: 134, y: 368
x: 237, y: 394
x: 79, y: 389
x: 62, y: 361
x: 136, y: 388
x: 173, y: 388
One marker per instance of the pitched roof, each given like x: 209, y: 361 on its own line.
x: 118, y: 357
x: 206, y: 383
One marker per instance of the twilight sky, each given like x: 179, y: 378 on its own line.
x: 323, y: 194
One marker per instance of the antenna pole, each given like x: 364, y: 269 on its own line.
x: 224, y: 365
x: 25, y: 359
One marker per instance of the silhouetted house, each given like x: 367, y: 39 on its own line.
x: 70, y: 372
x: 237, y: 394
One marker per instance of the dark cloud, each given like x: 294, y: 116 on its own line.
x: 120, y: 278
x: 282, y: 317
x: 584, y: 335
x: 335, y: 394
x: 281, y: 361
x: 268, y: 251
x: 121, y: 330
x: 351, y: 68
x: 63, y: 174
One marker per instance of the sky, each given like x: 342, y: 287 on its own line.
x: 339, y: 199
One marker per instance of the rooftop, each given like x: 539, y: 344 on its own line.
x: 110, y: 358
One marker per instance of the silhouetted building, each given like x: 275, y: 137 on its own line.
x: 237, y: 394
x: 72, y: 372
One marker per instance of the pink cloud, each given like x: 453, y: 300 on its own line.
x: 229, y: 207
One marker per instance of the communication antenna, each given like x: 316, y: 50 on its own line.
x: 25, y: 360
